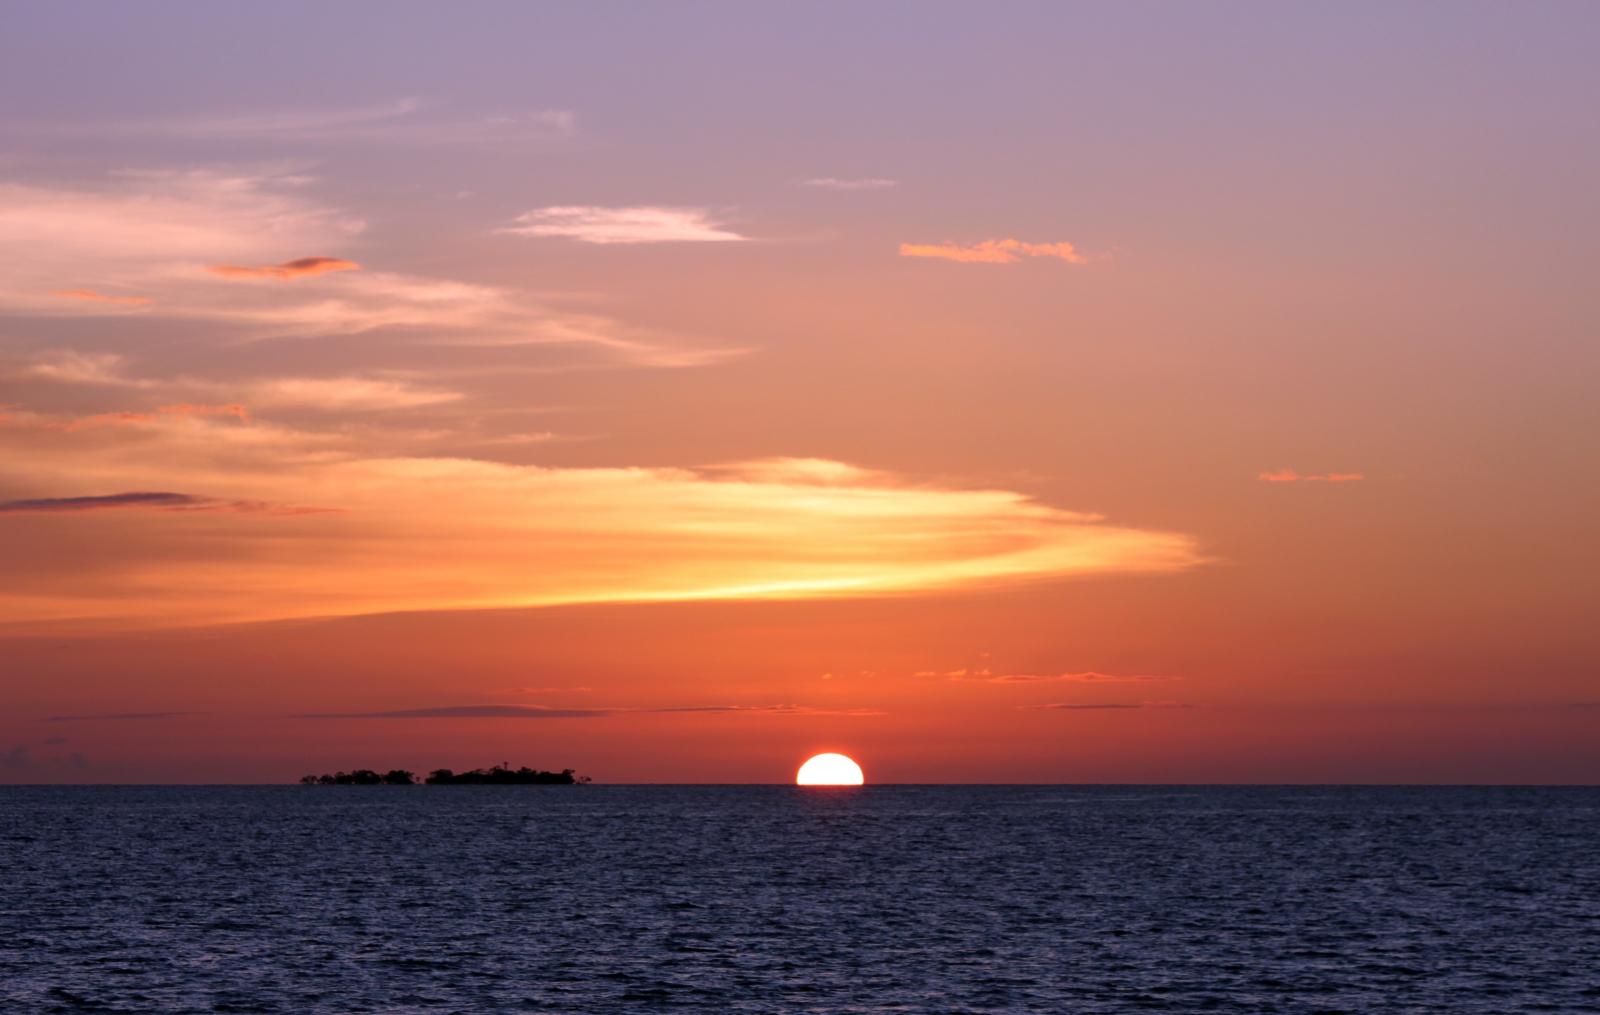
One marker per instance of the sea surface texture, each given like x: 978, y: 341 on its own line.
x: 604, y: 899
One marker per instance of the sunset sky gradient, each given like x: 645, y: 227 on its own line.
x: 1019, y: 393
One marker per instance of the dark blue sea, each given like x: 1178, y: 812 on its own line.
x: 604, y: 899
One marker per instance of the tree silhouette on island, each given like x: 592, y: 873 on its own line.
x: 500, y: 775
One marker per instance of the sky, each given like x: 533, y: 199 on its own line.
x: 1025, y: 392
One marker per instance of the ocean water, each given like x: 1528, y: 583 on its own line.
x: 603, y: 899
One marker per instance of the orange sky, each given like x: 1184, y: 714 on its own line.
x: 1164, y: 398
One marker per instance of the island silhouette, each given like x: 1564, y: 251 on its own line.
x: 500, y: 775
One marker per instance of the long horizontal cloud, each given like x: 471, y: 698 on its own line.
x: 415, y: 534
x: 994, y: 251
x: 639, y: 224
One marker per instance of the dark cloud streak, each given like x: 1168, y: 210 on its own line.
x: 153, y: 501
x: 168, y: 501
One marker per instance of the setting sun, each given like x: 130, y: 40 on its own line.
x: 829, y: 770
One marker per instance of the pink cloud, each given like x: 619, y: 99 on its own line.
x: 297, y: 268
x: 639, y: 224
x: 90, y: 294
x: 994, y: 251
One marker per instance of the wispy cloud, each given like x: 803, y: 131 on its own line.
x: 536, y: 690
x: 1075, y: 707
x: 995, y: 251
x: 829, y: 183
x: 1080, y: 678
x: 468, y: 712
x: 120, y: 715
x: 1290, y: 476
x: 299, y: 268
x: 155, y: 223
x: 639, y: 224
x: 157, y: 234
x: 90, y: 294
